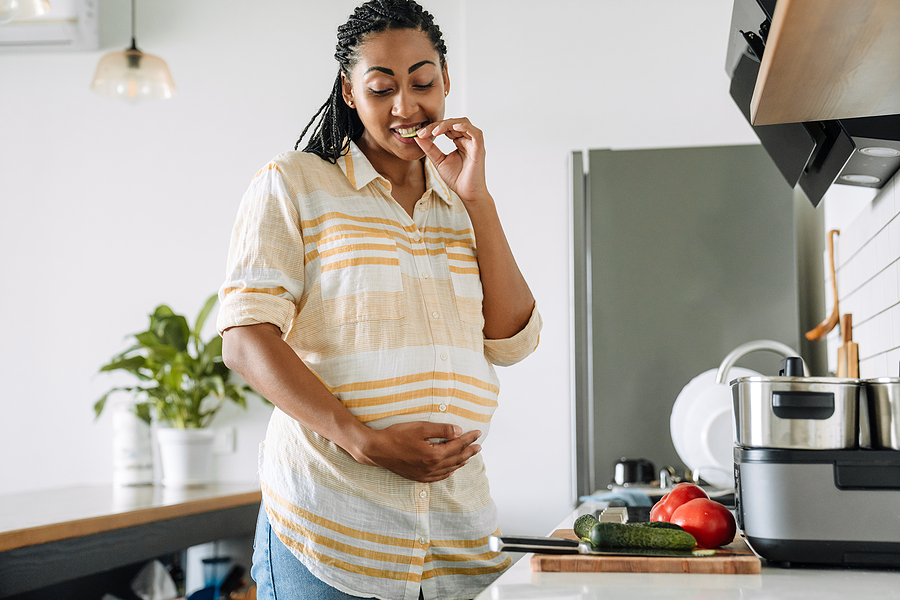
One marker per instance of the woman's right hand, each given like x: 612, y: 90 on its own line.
x: 405, y: 449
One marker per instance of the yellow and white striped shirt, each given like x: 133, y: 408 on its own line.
x: 385, y: 309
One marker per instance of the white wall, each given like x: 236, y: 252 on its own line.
x: 867, y: 260
x: 112, y: 209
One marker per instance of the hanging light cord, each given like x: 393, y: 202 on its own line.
x: 133, y: 42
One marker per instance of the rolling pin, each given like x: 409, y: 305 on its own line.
x: 848, y: 353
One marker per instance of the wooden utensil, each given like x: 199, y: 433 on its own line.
x: 822, y: 329
x: 848, y: 353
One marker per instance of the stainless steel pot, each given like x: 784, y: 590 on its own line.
x: 795, y: 412
x: 883, y: 402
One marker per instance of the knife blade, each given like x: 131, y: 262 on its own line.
x: 551, y: 545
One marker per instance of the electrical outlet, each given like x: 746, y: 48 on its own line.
x: 225, y: 441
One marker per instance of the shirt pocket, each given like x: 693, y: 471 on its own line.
x: 466, y: 279
x: 360, y: 278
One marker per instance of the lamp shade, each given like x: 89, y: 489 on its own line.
x: 22, y: 9
x: 132, y: 75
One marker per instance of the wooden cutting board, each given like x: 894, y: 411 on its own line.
x: 734, y: 559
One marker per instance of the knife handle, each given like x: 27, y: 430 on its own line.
x: 542, y: 545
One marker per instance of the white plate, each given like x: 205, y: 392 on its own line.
x: 701, y: 426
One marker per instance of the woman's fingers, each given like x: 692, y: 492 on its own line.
x: 407, y: 449
x: 452, y: 128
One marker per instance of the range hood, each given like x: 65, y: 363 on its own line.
x: 861, y: 151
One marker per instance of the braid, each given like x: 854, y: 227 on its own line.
x: 338, y: 124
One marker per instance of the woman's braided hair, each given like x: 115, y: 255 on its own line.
x: 338, y: 123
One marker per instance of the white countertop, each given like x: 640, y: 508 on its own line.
x: 773, y: 583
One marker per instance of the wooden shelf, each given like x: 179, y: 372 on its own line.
x: 53, y: 536
x: 829, y: 59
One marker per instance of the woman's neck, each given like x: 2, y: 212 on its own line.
x: 407, y: 177
x: 400, y: 172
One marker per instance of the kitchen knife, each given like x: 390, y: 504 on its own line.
x: 550, y: 545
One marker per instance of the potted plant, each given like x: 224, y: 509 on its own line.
x: 182, y: 383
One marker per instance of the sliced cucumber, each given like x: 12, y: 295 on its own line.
x: 583, y: 526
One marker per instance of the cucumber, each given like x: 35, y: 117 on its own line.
x: 661, y: 525
x: 583, y: 526
x: 615, y: 535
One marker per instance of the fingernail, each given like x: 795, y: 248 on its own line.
x: 457, y: 430
x: 476, y: 447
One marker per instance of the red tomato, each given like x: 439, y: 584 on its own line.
x: 711, y: 524
x: 681, y: 493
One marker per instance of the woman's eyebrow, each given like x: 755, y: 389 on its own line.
x: 419, y: 64
x: 390, y: 72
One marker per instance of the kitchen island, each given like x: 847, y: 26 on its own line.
x: 773, y: 583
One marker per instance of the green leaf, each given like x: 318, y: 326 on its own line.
x: 176, y: 332
x: 212, y: 351
x: 162, y: 312
x: 101, y: 403
x: 128, y: 364
x: 204, y: 314
x: 148, y: 339
x: 215, y: 384
x: 142, y: 410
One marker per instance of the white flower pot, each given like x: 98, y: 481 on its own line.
x: 186, y: 456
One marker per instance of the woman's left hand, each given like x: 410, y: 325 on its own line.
x: 463, y: 168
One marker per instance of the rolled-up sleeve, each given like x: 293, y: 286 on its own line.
x: 509, y: 351
x: 264, y: 276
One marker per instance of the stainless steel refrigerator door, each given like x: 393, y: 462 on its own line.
x: 680, y: 255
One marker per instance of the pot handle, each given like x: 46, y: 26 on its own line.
x: 744, y: 349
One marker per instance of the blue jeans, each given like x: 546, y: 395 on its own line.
x: 279, y: 575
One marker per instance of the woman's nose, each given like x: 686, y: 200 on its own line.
x: 404, y: 105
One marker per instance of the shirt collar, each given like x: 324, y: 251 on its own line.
x: 360, y: 173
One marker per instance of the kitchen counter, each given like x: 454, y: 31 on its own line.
x: 773, y: 583
x: 55, y: 536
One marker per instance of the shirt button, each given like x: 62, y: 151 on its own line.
x: 443, y: 356
x: 422, y: 206
x: 436, y: 315
x: 416, y: 236
x: 423, y: 494
x: 443, y: 407
x: 422, y: 541
x: 425, y: 275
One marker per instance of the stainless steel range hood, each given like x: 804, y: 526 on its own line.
x: 862, y: 151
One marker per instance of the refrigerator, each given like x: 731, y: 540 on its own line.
x: 679, y: 255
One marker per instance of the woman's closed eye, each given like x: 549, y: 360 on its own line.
x: 386, y: 91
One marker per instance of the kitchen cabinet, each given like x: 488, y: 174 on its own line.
x: 70, y: 542
x: 773, y: 583
x: 829, y: 59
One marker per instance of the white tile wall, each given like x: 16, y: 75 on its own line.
x: 867, y: 261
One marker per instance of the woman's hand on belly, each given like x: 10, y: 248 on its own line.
x: 406, y: 449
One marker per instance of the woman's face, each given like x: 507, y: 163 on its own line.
x: 396, y: 87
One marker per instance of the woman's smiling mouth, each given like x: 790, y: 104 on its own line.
x: 409, y: 132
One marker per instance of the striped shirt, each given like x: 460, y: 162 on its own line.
x: 385, y: 309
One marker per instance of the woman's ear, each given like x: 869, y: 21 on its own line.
x: 347, y: 91
x: 446, y: 76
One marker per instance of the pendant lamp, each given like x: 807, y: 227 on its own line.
x: 22, y: 9
x: 132, y: 75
